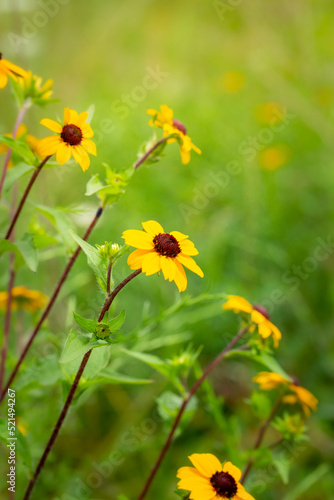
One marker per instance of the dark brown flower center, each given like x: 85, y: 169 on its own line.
x: 262, y: 310
x: 166, y: 244
x: 180, y: 126
x: 71, y: 134
x: 0, y: 55
x: 224, y: 484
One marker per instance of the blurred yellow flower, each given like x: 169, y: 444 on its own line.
x: 34, y: 144
x: 274, y: 157
x: 74, y: 138
x: 157, y: 250
x: 20, y: 132
x: 259, y: 316
x: 271, y: 380
x: 9, y: 69
x: 270, y: 113
x: 164, y: 119
x: 23, y: 298
x: 233, y: 82
x: 210, y: 480
x: 32, y: 87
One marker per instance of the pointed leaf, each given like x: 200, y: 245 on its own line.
x: 117, y: 322
x: 86, y: 324
x: 28, y: 250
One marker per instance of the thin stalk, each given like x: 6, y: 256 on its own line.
x: 6, y: 327
x: 109, y: 278
x: 19, y: 120
x: 191, y: 393
x: 25, y: 194
x: 74, y: 386
x: 259, y: 439
x: 147, y: 154
x: 51, y: 302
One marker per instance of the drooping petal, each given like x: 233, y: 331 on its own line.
x: 242, y: 493
x: 185, y: 156
x: 233, y: 470
x: 3, y: 79
x: 138, y: 239
x: 52, y: 125
x: 237, y: 304
x: 81, y: 157
x: 89, y: 146
x: 152, y: 227
x: 189, y: 263
x: 151, y: 263
x: 206, y: 463
x: 135, y: 259
x: 64, y: 153
x: 180, y: 277
x: 168, y: 267
x: 14, y: 68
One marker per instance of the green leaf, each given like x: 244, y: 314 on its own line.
x: 170, y: 403
x: 95, y: 260
x: 261, y: 404
x: 19, y: 147
x: 87, y: 324
x: 28, y: 250
x: 76, y: 345
x: 61, y: 221
x: 117, y: 322
x: 113, y: 187
x: 112, y: 377
x: 14, y: 174
x: 22, y: 449
x: 45, y: 372
x: 154, y: 361
x: 283, y: 468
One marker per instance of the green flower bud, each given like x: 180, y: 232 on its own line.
x: 102, y: 331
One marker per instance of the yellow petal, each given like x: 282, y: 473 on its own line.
x: 237, y: 304
x: 242, y: 493
x: 232, y: 470
x: 264, y: 329
x: 81, y: 118
x: 138, y: 239
x: 67, y: 116
x: 189, y: 263
x: 3, y: 78
x: 14, y: 68
x: 52, y: 125
x: 89, y: 146
x: 180, y: 277
x: 192, y: 480
x: 86, y: 130
x: 188, y: 248
x: 151, y: 263
x: 179, y: 236
x: 81, y: 157
x: 185, y: 156
x: 152, y: 227
x: 152, y: 112
x: 49, y: 145
x: 206, y: 463
x: 166, y: 112
x: 64, y: 153
x: 168, y: 267
x: 135, y: 259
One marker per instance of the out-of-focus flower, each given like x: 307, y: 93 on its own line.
x: 233, y: 81
x: 32, y: 86
x: 271, y: 380
x: 270, y: 113
x: 175, y: 129
x: 23, y: 298
x: 210, y: 480
x: 258, y: 315
x: 274, y: 157
x: 74, y: 138
x: 157, y: 250
x: 20, y: 132
x: 9, y: 69
x: 34, y: 144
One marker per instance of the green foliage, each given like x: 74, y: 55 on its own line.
x: 62, y: 223
x: 20, y: 148
x: 24, y: 250
x: 114, y: 186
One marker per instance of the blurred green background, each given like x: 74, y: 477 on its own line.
x: 253, y: 84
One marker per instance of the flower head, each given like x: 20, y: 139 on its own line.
x: 9, y: 69
x: 259, y: 316
x: 173, y: 128
x: 157, y: 250
x: 74, y: 138
x: 209, y: 480
x: 23, y: 298
x: 271, y: 380
x: 32, y: 86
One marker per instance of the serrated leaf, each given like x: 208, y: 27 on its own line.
x: 117, y: 322
x: 95, y: 260
x: 87, y: 324
x: 19, y: 147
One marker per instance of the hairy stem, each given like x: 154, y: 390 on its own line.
x: 25, y: 195
x: 19, y: 120
x: 74, y: 386
x: 191, y: 393
x: 51, y: 302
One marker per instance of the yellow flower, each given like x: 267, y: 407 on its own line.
x: 274, y: 158
x: 23, y: 298
x: 74, y: 138
x: 259, y: 316
x: 31, y: 86
x: 209, y: 480
x: 157, y: 250
x: 271, y: 380
x: 9, y: 69
x: 34, y: 144
x: 173, y: 128
x: 20, y: 132
x: 270, y: 113
x: 233, y: 82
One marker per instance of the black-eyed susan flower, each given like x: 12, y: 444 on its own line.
x: 271, y: 380
x: 210, y: 480
x: 9, y: 69
x: 23, y: 298
x: 258, y: 315
x: 73, y: 138
x: 173, y: 128
x: 157, y: 250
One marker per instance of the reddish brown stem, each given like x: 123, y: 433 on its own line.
x: 50, y: 303
x: 191, y: 393
x: 74, y: 386
x: 25, y: 195
x: 147, y: 154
